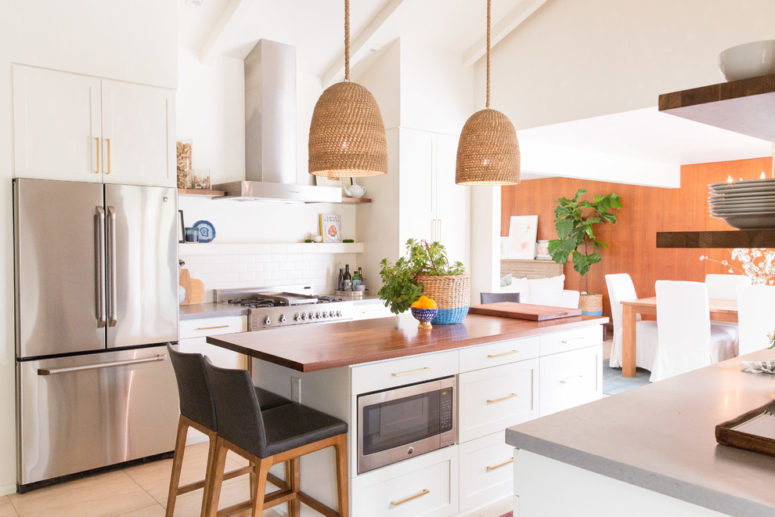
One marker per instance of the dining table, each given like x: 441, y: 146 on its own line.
x: 720, y: 310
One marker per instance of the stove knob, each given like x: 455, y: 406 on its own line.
x: 303, y: 316
x: 282, y: 318
x: 312, y: 315
x: 320, y: 315
x: 297, y: 317
x: 268, y: 321
x: 326, y: 314
x: 331, y: 314
x: 338, y: 314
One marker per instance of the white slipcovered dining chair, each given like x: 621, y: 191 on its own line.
x: 755, y: 309
x: 687, y: 339
x: 621, y: 289
x: 724, y: 286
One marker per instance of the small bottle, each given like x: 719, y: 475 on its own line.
x: 348, y: 281
x: 360, y: 275
x: 340, y: 280
x: 356, y: 278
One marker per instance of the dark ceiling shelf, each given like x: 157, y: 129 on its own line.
x: 746, y: 106
x: 722, y: 239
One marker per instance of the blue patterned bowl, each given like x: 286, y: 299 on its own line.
x: 424, y: 316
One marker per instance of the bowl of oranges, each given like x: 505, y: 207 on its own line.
x: 424, y: 310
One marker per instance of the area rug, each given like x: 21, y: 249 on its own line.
x: 614, y: 383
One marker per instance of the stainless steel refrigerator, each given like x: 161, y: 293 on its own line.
x: 96, y: 300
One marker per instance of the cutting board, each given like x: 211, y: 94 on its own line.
x: 195, y: 289
x: 523, y: 311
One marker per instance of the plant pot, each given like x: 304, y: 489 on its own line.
x: 452, y: 295
x: 591, y: 304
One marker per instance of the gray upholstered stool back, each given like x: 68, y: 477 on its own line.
x: 196, y: 400
x: 237, y: 409
x: 498, y: 297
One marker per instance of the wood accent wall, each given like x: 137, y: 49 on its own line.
x: 645, y: 211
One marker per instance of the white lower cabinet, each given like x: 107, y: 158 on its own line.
x: 486, y: 471
x: 570, y: 379
x: 425, y: 486
x: 494, y: 398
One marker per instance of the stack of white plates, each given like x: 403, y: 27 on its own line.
x: 746, y: 205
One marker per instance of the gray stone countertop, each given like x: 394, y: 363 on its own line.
x: 210, y: 310
x: 662, y: 437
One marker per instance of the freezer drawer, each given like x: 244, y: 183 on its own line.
x: 89, y: 411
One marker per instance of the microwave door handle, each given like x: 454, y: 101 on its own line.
x: 111, y: 249
x: 99, y: 266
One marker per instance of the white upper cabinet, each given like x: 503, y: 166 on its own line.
x: 137, y: 131
x: 81, y: 128
x: 56, y: 122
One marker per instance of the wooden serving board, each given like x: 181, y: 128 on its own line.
x: 523, y: 311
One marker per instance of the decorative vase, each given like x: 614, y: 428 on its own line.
x: 591, y: 304
x: 452, y: 294
x: 424, y: 316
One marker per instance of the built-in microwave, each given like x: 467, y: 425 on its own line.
x: 406, y: 421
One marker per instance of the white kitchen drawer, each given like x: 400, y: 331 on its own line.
x: 409, y: 370
x: 571, y: 339
x: 570, y: 379
x: 492, y: 399
x: 486, y: 470
x: 501, y: 352
x: 370, y: 310
x: 212, y: 326
x: 425, y: 486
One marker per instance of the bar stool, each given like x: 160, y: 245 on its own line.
x: 197, y: 410
x: 269, y: 436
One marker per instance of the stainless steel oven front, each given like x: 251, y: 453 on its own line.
x: 406, y: 421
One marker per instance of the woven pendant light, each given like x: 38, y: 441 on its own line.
x: 488, y: 150
x: 347, y: 135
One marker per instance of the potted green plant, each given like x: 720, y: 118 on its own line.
x: 424, y: 268
x: 575, y: 221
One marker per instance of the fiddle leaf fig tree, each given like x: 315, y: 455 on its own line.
x: 575, y: 221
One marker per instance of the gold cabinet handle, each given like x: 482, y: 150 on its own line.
x: 213, y: 327
x: 493, y: 356
x: 501, y: 399
x: 411, y: 372
x: 566, y: 381
x: 564, y: 341
x: 108, y: 141
x: 98, y: 155
x: 425, y: 491
x: 499, y: 465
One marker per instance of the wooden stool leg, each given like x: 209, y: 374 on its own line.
x: 177, y: 463
x: 209, y: 472
x: 294, y: 484
x: 259, y: 487
x: 340, y: 445
x: 216, y: 480
x: 253, y: 473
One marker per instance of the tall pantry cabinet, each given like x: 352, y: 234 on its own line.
x: 83, y: 128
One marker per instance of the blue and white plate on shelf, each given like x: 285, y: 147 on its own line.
x: 206, y: 230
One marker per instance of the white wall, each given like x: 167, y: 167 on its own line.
x: 134, y: 41
x: 574, y: 59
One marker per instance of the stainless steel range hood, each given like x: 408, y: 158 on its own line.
x: 270, y: 131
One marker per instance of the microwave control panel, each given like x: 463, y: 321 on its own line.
x: 445, y: 410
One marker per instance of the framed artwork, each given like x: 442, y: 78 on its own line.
x: 331, y: 227
x: 324, y: 181
x: 542, y: 250
x: 522, y: 237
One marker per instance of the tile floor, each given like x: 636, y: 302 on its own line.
x: 141, y: 491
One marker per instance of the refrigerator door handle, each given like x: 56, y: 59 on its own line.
x: 112, y: 316
x: 99, y: 258
x: 97, y: 366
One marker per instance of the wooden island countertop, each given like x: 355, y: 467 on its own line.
x: 308, y: 348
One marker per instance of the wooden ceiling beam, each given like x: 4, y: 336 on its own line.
x: 212, y: 37
x: 501, y: 29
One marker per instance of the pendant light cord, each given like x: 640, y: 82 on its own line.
x: 487, y: 103
x: 347, y: 40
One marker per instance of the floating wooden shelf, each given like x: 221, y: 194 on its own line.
x: 523, y: 268
x: 200, y: 192
x: 720, y: 239
x: 355, y: 200
x: 258, y: 248
x: 746, y: 106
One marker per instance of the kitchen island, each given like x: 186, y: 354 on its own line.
x: 650, y: 451
x: 506, y: 371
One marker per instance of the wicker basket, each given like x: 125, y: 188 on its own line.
x: 452, y: 295
x: 591, y: 304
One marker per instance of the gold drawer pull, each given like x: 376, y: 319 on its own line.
x: 213, y: 327
x: 566, y: 381
x: 425, y: 491
x: 411, y: 372
x: 493, y: 356
x: 499, y: 465
x: 507, y: 397
x: 568, y: 340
